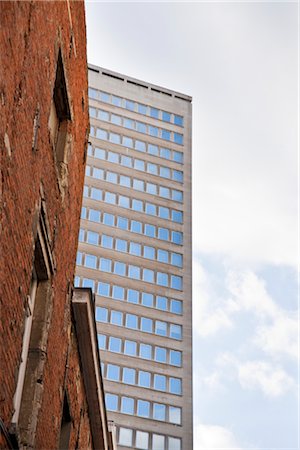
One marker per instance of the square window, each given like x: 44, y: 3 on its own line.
x: 135, y: 249
x: 140, y: 146
x: 178, y: 157
x: 147, y: 299
x: 160, y: 354
x: 138, y: 185
x: 177, y: 196
x: 103, y: 289
x: 118, y: 292
x: 142, y: 109
x: 98, y: 173
x: 113, y: 157
x: 134, y: 272
x: 101, y: 134
x: 139, y: 165
x: 100, y: 153
x: 90, y: 261
x: 176, y: 259
x: 106, y: 241
x: 150, y: 230
x: 162, y: 279
x: 148, y: 275
x: 117, y: 101
x: 111, y: 177
x: 153, y: 149
x: 128, y: 375
x: 176, y: 282
x: 122, y: 223
x: 137, y: 205
x: 145, y: 351
x: 160, y: 382
x: 130, y: 348
x: 162, y: 256
x: 125, y: 181
x: 153, y: 131
x: 96, y: 194
x: 176, y: 306
x: 132, y: 296
x: 175, y: 386
x: 175, y: 358
x: 175, y: 331
x: 177, y: 216
x: 108, y: 219
x: 87, y: 282
x: 93, y: 112
x: 141, y: 127
x: 105, y: 265
x: 158, y: 442
x: 166, y: 135
x: 127, y: 405
x: 94, y: 216
x: 154, y: 113
x: 113, y: 372
x: 166, y: 117
x: 101, y: 314
x: 164, y: 192
x: 175, y: 415
x: 103, y: 115
x: 104, y: 97
x: 151, y: 188
x: 142, y: 440
x: 177, y: 237
x: 111, y: 402
x: 160, y: 328
x: 164, y: 213
x: 174, y: 443
x: 115, y: 138
x: 143, y: 409
x: 159, y: 411
x: 110, y: 198
x: 149, y: 252
x: 131, y: 321
x: 129, y: 105
x: 120, y: 268
x: 128, y: 123
x: 125, y: 437
x: 152, y: 168
x: 127, y: 142
x: 146, y: 325
x: 178, y: 138
x: 116, y: 318
x: 161, y: 303
x: 178, y: 120
x: 150, y: 209
x: 177, y: 176
x: 124, y: 201
x: 115, y: 344
x: 163, y: 234
x: 144, y: 379
x: 126, y: 161
x: 93, y: 93
x: 115, y: 119
x: 136, y: 227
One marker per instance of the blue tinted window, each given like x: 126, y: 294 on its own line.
x: 113, y: 157
x: 108, y: 219
x: 94, y: 215
x: 111, y: 402
x: 105, y: 265
x: 146, y: 325
x: 178, y: 175
x: 86, y: 282
x: 104, y: 97
x: 101, y: 341
x: 143, y: 408
x: 163, y: 212
x: 138, y: 185
x: 139, y: 164
x: 153, y: 131
x: 154, y: 113
x: 93, y: 93
x: 148, y: 275
x: 175, y: 331
x: 128, y: 375
x: 98, y: 173
x: 103, y: 289
x: 124, y: 201
x: 101, y: 134
x: 177, y: 196
x: 136, y: 227
x: 151, y: 188
x: 93, y: 112
x: 131, y: 321
x: 124, y: 181
x: 163, y: 234
x: 129, y: 105
x: 145, y: 351
x: 77, y: 281
x: 174, y: 415
x: 177, y: 216
x: 162, y: 279
x: 149, y: 252
x: 159, y: 412
x: 162, y: 256
x: 160, y: 354
x: 111, y: 177
x: 135, y: 249
x: 121, y: 245
x: 128, y: 123
x: 176, y: 282
x: 130, y: 348
x: 126, y: 161
x: 165, y: 172
x: 122, y: 223
x: 113, y: 372
x: 110, y: 198
x: 83, y: 212
x: 101, y: 314
x: 127, y: 405
x: 176, y: 259
x: 81, y: 235
x: 115, y: 344
x: 115, y: 119
x: 166, y: 117
x: 151, y: 209
x: 165, y: 153
x: 175, y: 386
x: 140, y: 146
x: 96, y: 194
x: 141, y: 127
x: 175, y: 358
x: 132, y: 296
x: 149, y: 230
x: 137, y: 205
x: 120, y: 268
x: 107, y: 241
x: 178, y: 138
x: 160, y: 328
x: 103, y: 115
x: 164, y: 192
x: 161, y: 303
x: 178, y: 120
x: 87, y: 171
x: 127, y: 142
x: 160, y: 382
x: 144, y: 378
x: 153, y: 149
x: 178, y: 157
x: 99, y: 153
x: 117, y: 101
x: 118, y: 292
x: 176, y: 306
x: 166, y: 135
x: 142, y: 109
x: 152, y: 168
x: 79, y: 258
x: 116, y: 318
x: 134, y: 272
x: 147, y: 299
x: 90, y: 261
x: 177, y: 237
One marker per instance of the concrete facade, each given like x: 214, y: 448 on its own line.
x: 135, y: 250
x: 44, y: 130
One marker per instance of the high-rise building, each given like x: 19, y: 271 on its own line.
x: 135, y: 252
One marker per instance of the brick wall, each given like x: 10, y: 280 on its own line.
x: 31, y: 34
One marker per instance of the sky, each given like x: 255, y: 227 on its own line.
x: 238, y: 60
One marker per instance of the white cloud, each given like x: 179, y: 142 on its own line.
x: 209, y: 437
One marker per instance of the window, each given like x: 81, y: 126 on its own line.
x: 103, y: 289
x: 178, y: 157
x: 113, y: 372
x: 96, y: 194
x: 176, y: 259
x: 136, y: 227
x: 160, y: 328
x: 162, y: 279
x: 120, y: 268
x: 122, y: 222
x: 127, y: 142
x: 126, y: 161
x: 142, y: 109
x: 88, y: 171
x: 94, y: 215
x: 165, y: 172
x: 146, y: 325
x: 106, y: 241
x: 127, y: 405
x: 103, y: 115
x: 130, y: 348
x: 142, y: 440
x: 178, y: 138
x: 101, y: 341
x: 160, y: 354
x: 86, y: 282
x: 104, y: 97
x: 175, y: 331
x: 137, y: 205
x: 115, y: 344
x: 101, y: 314
x: 117, y: 101
x: 101, y: 134
x: 175, y: 358
x: 144, y: 379
x: 138, y: 185
x: 176, y: 306
x: 158, y: 442
x: 141, y: 127
x: 129, y: 105
x: 166, y: 135
x: 81, y: 235
x: 135, y: 249
x: 116, y: 318
x: 151, y: 188
x: 125, y: 437
x: 163, y: 256
x: 154, y: 113
x: 150, y: 209
x: 147, y: 299
x: 163, y: 234
x: 134, y: 272
x: 175, y: 386
x: 108, y: 219
x: 153, y: 131
x: 111, y: 177
x: 140, y: 146
x: 124, y: 181
x: 174, y: 443
x: 177, y: 237
x: 115, y: 138
x: 121, y: 245
x: 159, y: 411
x: 131, y: 321
x: 175, y: 415
x: 132, y: 296
x: 79, y: 256
x: 165, y: 152
x: 143, y: 408
x: 161, y: 303
x: 149, y: 230
x: 93, y: 93
x: 128, y: 123
x: 98, y: 173
x: 160, y: 382
x: 153, y: 149
x: 113, y: 157
x: 163, y: 212
x: 149, y: 252
x: 83, y: 213
x: 99, y: 153
x: 111, y: 402
x: 115, y: 119
x: 118, y: 292
x: 145, y: 351
x: 177, y: 196
x: 110, y: 198
x: 105, y: 265
x: 166, y: 117
x: 148, y: 275
x: 124, y: 201
x: 128, y: 375
x: 90, y: 261
x: 176, y: 282
x: 177, y: 216
x: 178, y: 176
x: 178, y: 120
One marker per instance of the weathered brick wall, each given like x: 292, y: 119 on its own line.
x: 31, y: 33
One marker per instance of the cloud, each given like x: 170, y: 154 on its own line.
x: 209, y: 437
